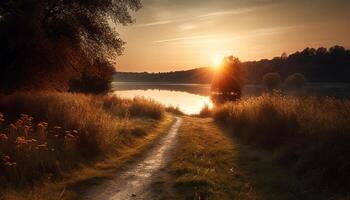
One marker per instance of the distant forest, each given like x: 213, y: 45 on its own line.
x: 199, y: 75
x: 317, y: 65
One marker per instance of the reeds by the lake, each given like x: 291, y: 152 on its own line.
x: 174, y: 110
x: 136, y: 107
x: 310, y: 133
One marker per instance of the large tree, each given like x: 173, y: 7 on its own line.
x: 46, y: 43
x: 229, y: 78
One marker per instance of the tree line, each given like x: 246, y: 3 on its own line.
x: 199, y: 75
x: 317, y: 65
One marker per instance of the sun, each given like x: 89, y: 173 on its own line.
x: 217, y: 60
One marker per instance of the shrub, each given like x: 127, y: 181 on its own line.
x: 312, y: 131
x: 94, y: 79
x: 272, y: 80
x: 296, y: 80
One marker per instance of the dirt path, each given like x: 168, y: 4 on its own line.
x: 135, y: 182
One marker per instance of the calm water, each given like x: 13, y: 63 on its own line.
x: 190, y: 98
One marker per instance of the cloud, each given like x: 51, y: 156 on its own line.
x: 228, y: 12
x: 186, y: 27
x: 199, y: 39
x: 181, y: 39
x: 272, y: 30
x: 207, y: 15
x: 155, y: 23
x: 218, y: 38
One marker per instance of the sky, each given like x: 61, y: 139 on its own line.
x: 171, y: 35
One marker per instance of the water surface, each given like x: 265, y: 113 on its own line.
x: 191, y: 98
x: 185, y: 101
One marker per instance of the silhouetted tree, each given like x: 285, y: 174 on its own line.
x: 230, y: 78
x: 272, y: 80
x: 284, y: 56
x: 45, y: 41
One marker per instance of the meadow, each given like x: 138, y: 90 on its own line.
x: 308, y: 134
x: 43, y: 135
x: 241, y: 149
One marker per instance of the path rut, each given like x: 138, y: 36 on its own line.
x: 135, y: 182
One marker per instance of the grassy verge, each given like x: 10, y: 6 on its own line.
x: 69, y: 132
x: 204, y: 164
x: 310, y: 135
x: 210, y: 164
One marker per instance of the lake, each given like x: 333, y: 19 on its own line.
x: 191, y: 98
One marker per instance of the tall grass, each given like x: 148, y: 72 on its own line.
x: 205, y: 111
x: 310, y: 133
x: 174, y: 110
x: 60, y: 130
x: 136, y: 107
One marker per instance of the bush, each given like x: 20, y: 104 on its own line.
x: 95, y: 79
x: 272, y: 80
x: 296, y: 81
x: 313, y: 132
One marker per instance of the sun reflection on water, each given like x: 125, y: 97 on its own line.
x: 187, y: 103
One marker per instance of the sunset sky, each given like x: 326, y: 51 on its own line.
x: 174, y: 35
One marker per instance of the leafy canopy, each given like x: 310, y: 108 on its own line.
x: 59, y: 36
x: 230, y: 77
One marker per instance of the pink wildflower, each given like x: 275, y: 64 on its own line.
x: 3, y: 137
x: 12, y: 127
x: 19, y: 123
x: 75, y: 132
x: 1, y: 118
x: 42, y: 126
x: 26, y: 130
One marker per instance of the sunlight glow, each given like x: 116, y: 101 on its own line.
x: 206, y: 101
x: 217, y: 60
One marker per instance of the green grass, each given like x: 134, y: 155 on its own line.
x: 212, y: 164
x: 204, y: 165
x: 270, y: 179
x: 61, y: 131
x: 309, y: 134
